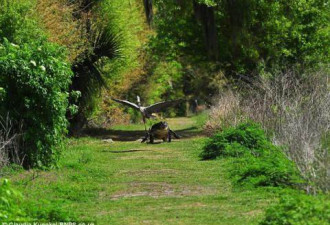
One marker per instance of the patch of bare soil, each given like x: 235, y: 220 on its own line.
x: 149, y: 172
x: 161, y: 189
x: 32, y: 176
x: 254, y: 212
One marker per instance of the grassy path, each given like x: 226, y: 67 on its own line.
x: 127, y: 182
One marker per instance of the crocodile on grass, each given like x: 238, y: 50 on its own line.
x: 160, y: 130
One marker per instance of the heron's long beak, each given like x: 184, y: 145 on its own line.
x: 138, y: 100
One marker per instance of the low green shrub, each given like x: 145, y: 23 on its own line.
x: 273, y: 170
x: 299, y: 209
x: 10, y: 200
x: 237, y: 141
x: 49, y: 212
x: 257, y: 162
x: 14, y: 208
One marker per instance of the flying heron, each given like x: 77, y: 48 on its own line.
x: 147, y: 111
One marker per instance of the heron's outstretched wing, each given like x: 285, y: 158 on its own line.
x: 125, y: 102
x: 161, y: 106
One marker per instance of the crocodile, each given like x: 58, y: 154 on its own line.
x: 160, y: 130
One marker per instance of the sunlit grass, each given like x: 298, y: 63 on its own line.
x: 134, y: 183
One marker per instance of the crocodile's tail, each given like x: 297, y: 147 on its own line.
x: 145, y: 137
x: 174, y: 134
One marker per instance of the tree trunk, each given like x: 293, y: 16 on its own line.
x: 205, y: 14
x: 148, y: 10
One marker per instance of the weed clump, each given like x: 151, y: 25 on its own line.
x: 299, y: 209
x: 13, y: 207
x: 10, y: 200
x: 237, y: 141
x: 257, y: 161
x: 272, y: 170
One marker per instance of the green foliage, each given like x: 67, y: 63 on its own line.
x: 117, y: 26
x: 271, y: 170
x: 165, y: 83
x: 49, y: 212
x: 96, y: 191
x: 253, y: 37
x: 16, y: 23
x: 13, y: 207
x: 166, y: 78
x: 10, y: 204
x: 121, y: 23
x: 258, y: 162
x: 263, y: 33
x: 246, y: 138
x: 178, y: 33
x: 35, y: 78
x: 299, y: 209
x: 177, y: 44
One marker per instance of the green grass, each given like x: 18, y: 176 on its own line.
x: 133, y: 183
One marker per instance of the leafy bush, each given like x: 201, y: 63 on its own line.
x: 35, y: 79
x: 10, y: 200
x: 299, y: 209
x: 271, y: 170
x: 236, y: 141
x: 16, y: 22
x: 258, y: 163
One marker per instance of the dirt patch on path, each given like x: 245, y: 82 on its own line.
x: 159, y: 190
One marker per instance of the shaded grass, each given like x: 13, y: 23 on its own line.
x: 157, y: 184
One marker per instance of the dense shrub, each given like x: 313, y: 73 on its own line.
x: 225, y: 112
x: 299, y: 209
x: 236, y: 141
x: 16, y: 22
x: 258, y: 162
x: 35, y: 79
x: 271, y: 170
x: 250, y: 34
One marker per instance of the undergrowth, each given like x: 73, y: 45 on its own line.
x: 256, y: 161
x: 13, y: 207
x: 299, y: 209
